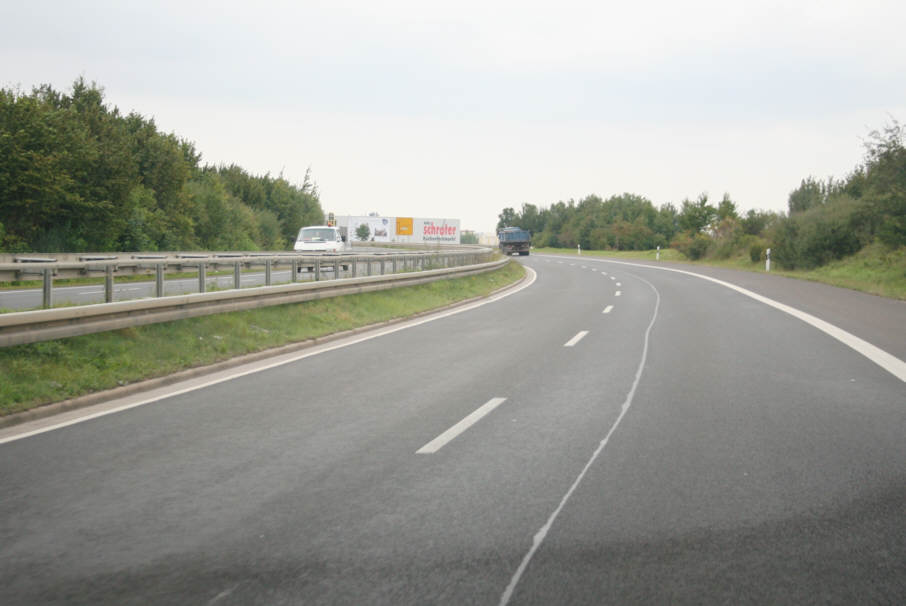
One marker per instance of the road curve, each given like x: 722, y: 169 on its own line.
x: 612, y: 434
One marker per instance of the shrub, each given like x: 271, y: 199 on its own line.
x: 692, y: 246
x: 755, y: 252
x: 821, y: 234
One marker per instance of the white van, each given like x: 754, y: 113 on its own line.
x: 320, y: 238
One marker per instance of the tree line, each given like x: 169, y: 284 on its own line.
x: 825, y: 220
x: 76, y: 175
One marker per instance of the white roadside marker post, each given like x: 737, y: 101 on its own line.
x: 767, y: 260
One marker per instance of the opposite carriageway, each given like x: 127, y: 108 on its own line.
x: 367, y: 272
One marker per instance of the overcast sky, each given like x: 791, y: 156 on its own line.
x: 459, y: 109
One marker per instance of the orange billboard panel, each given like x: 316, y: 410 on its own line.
x: 404, y: 226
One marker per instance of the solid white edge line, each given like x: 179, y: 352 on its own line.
x: 542, y: 532
x: 449, y: 435
x: 607, y: 309
x: 293, y: 358
x: 576, y: 339
x: 887, y: 361
x: 618, y: 293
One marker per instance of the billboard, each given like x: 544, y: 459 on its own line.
x: 411, y: 230
x: 442, y: 231
x: 404, y: 226
x: 380, y: 229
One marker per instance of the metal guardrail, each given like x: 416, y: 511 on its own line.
x: 41, y: 325
x: 46, y: 269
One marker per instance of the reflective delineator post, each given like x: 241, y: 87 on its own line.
x: 657, y: 256
x: 767, y: 260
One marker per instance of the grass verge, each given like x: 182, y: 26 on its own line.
x: 875, y: 269
x: 52, y: 371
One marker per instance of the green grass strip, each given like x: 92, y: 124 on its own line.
x: 52, y: 371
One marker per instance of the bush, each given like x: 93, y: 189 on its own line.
x: 692, y: 246
x: 755, y: 252
x: 821, y: 234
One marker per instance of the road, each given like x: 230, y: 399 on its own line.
x: 610, y: 434
x: 31, y: 298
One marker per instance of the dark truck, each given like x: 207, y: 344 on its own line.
x: 514, y: 239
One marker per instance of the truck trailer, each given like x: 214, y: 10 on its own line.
x: 514, y: 240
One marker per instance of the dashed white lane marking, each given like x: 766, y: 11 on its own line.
x: 618, y: 284
x: 612, y: 278
x: 618, y: 293
x: 572, y: 342
x: 607, y: 309
x: 539, y: 537
x: 447, y: 436
x: 887, y: 361
x: 603, y: 273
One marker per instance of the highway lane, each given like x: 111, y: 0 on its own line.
x: 31, y: 298
x: 757, y: 460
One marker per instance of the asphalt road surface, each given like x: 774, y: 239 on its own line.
x: 31, y: 298
x: 610, y: 434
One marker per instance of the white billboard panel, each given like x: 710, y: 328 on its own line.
x: 380, y: 229
x: 385, y: 229
x: 440, y: 231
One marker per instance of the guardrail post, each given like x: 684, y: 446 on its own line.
x: 317, y: 269
x: 355, y: 267
x: 267, y: 272
x: 382, y: 267
x: 108, y: 284
x: 394, y: 264
x: 159, y: 280
x: 237, y: 275
x: 294, y: 270
x: 369, y: 267
x: 48, y: 287
x: 201, y: 278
